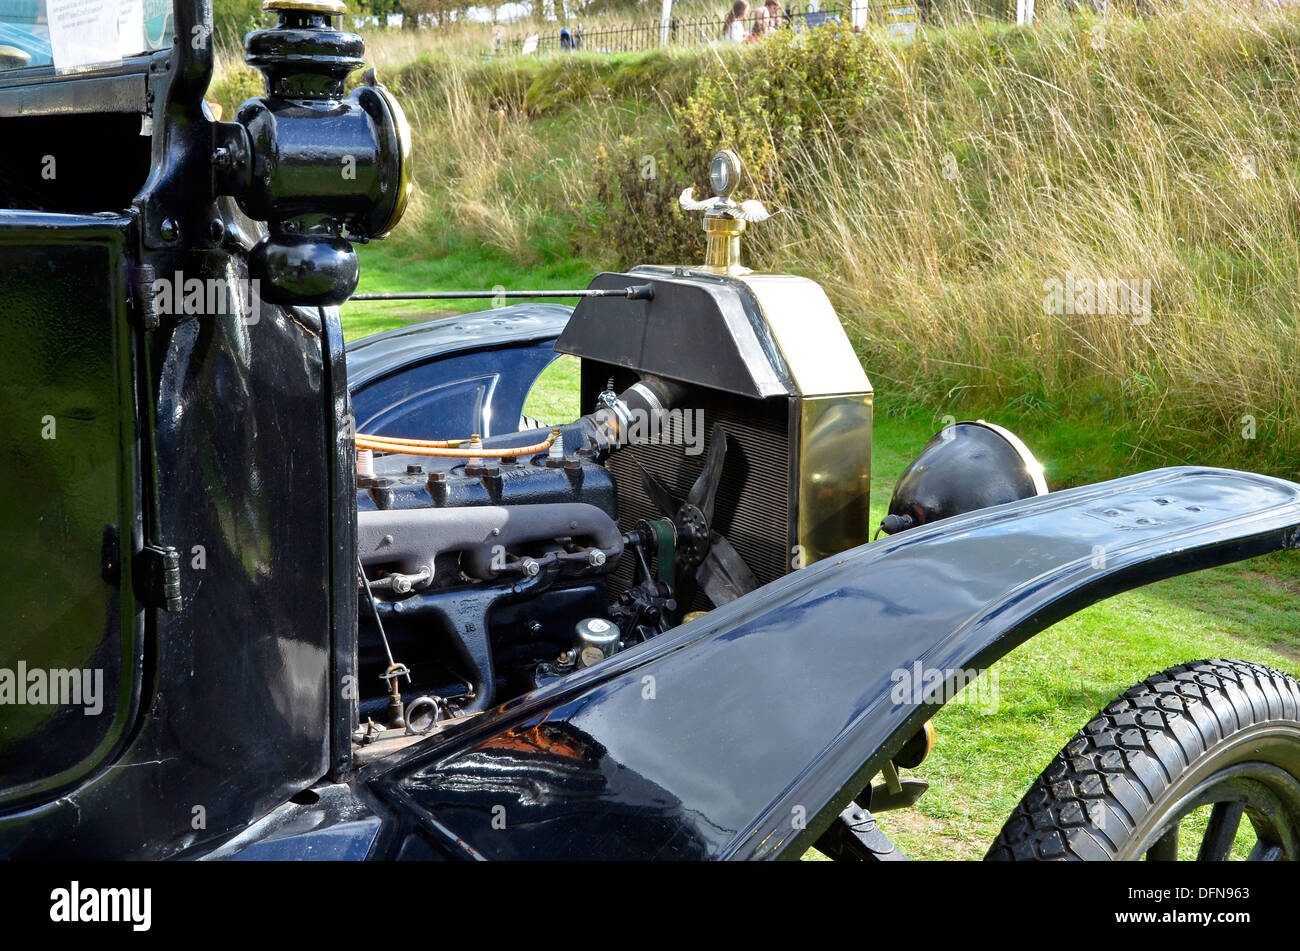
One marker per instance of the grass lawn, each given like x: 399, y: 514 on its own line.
x: 1047, y: 688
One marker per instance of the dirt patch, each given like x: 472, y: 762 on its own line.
x: 907, y: 826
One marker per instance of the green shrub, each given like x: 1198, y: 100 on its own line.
x: 794, y: 90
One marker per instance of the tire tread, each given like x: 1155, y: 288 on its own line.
x: 1137, y: 746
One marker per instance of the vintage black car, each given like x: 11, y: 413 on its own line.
x: 271, y: 597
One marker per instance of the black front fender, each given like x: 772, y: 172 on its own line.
x: 744, y: 733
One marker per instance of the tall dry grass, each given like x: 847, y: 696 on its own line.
x: 941, y: 197
x: 995, y: 162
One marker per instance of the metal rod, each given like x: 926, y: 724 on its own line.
x: 374, y: 607
x: 635, y: 292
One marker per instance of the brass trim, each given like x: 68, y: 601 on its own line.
x: 833, y: 511
x: 809, y: 334
x: 332, y: 7
x: 404, y: 183
x: 722, y: 245
x: 724, y: 219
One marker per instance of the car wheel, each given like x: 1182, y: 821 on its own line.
x: 1216, y: 737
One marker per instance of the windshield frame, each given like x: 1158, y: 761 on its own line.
x: 15, y: 37
x: 134, y: 84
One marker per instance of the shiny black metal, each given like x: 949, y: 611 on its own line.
x: 318, y: 167
x: 964, y: 467
x: 323, y: 824
x: 193, y: 535
x: 214, y: 433
x: 708, y: 328
x: 856, y: 835
x: 635, y: 292
x: 450, y: 378
x: 664, y: 766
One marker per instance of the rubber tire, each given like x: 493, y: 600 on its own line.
x: 1130, y: 760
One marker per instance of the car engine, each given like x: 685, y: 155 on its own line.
x: 728, y: 444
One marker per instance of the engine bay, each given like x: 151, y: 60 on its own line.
x: 488, y: 577
x: 707, y: 466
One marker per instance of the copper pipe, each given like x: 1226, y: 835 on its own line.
x: 415, y: 447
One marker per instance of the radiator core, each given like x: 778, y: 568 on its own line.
x: 753, y: 510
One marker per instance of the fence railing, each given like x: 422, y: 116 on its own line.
x: 899, y: 16
x: 681, y: 32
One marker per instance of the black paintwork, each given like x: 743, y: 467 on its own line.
x: 777, y: 707
x: 964, y: 467
x: 451, y: 378
x: 224, y: 437
x: 326, y: 824
x: 229, y: 439
x: 320, y: 168
x: 709, y: 328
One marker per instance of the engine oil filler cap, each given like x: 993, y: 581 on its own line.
x: 597, y: 639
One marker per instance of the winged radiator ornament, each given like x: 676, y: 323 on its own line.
x: 750, y: 210
x: 724, y: 218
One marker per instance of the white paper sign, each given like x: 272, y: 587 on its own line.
x: 530, y: 44
x: 84, y: 32
x: 130, y: 28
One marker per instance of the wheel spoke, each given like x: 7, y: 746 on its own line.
x: 1265, y: 852
x: 1165, y: 848
x: 1225, y: 819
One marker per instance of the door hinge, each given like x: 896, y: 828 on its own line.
x: 157, y: 573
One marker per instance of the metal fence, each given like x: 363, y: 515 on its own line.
x: 681, y: 32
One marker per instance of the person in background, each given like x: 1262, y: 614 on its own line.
x: 768, y: 18
x: 733, y: 29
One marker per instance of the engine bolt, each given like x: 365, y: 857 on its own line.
x: 595, y: 557
x: 531, y: 568
x: 365, y: 466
